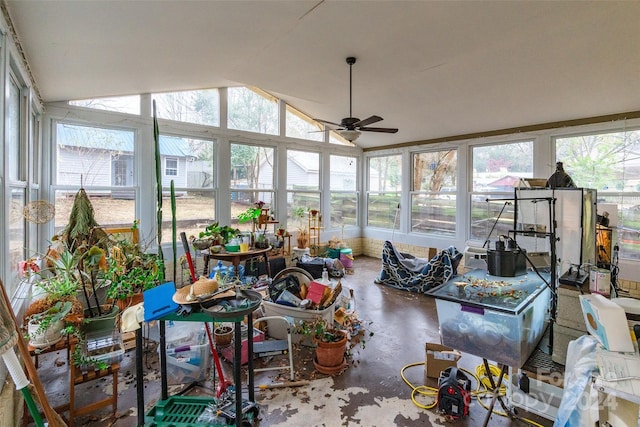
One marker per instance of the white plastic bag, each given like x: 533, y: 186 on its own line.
x: 577, y: 402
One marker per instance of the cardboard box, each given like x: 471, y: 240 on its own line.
x: 569, y: 312
x: 439, y: 358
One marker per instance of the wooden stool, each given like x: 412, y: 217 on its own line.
x: 78, y: 377
x: 64, y: 344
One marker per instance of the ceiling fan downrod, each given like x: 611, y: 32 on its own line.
x: 351, y: 60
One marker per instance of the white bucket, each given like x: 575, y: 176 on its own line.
x: 600, y: 281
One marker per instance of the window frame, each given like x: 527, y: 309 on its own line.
x: 428, y: 194
x: 174, y: 170
x: 356, y: 192
x: 397, y: 193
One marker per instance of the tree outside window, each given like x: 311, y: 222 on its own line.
x: 433, y: 199
x: 383, y: 191
x: 344, y: 190
x: 610, y: 163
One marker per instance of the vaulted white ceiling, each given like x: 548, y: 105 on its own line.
x: 431, y: 69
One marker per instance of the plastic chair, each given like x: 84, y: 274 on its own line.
x: 275, y: 347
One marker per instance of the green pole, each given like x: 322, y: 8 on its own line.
x: 33, y: 408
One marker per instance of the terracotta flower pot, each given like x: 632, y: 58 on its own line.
x: 129, y: 301
x: 331, y: 354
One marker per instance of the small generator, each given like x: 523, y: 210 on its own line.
x: 454, y: 393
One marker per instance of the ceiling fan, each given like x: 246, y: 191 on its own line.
x: 350, y: 127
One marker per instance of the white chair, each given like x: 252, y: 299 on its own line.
x: 275, y: 347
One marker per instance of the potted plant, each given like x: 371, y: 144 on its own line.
x: 251, y: 214
x: 222, y: 335
x: 56, y: 299
x: 302, y: 238
x: 46, y: 328
x: 130, y: 275
x: 335, y: 345
x: 214, y: 234
x: 330, y: 342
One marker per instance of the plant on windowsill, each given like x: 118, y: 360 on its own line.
x: 302, y: 238
x: 251, y: 214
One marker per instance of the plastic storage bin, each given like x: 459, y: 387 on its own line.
x: 103, y: 348
x: 188, y: 354
x: 188, y: 364
x: 503, y: 323
x: 178, y: 333
x: 294, y: 314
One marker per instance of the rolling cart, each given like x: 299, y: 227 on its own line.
x: 184, y: 411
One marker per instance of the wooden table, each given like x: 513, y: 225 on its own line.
x: 236, y: 258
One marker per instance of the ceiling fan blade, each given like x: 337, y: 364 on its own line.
x: 383, y: 130
x: 327, y: 122
x: 368, y: 121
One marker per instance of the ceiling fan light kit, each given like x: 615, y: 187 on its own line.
x: 351, y: 127
x: 349, y: 135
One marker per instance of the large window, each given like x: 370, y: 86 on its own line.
x: 610, y: 163
x: 301, y: 126
x: 191, y: 164
x: 15, y: 150
x: 433, y: 196
x: 198, y: 106
x: 303, y: 182
x: 100, y: 160
x: 344, y: 190
x: 120, y: 104
x: 252, y: 174
x: 384, y: 191
x: 252, y: 110
x: 496, y: 170
x: 17, y: 174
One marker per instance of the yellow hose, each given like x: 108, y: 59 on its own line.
x: 481, y: 391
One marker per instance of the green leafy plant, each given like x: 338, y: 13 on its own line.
x: 357, y: 331
x: 139, y: 274
x: 58, y: 284
x: 48, y: 317
x: 223, y: 233
x: 252, y: 213
x: 87, y: 362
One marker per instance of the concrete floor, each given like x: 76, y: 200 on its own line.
x: 370, y: 393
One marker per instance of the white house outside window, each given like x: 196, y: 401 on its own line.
x: 496, y: 169
x: 100, y: 160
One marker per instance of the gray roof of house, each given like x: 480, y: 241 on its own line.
x: 114, y: 140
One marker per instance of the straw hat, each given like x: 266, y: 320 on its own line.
x: 202, y: 288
